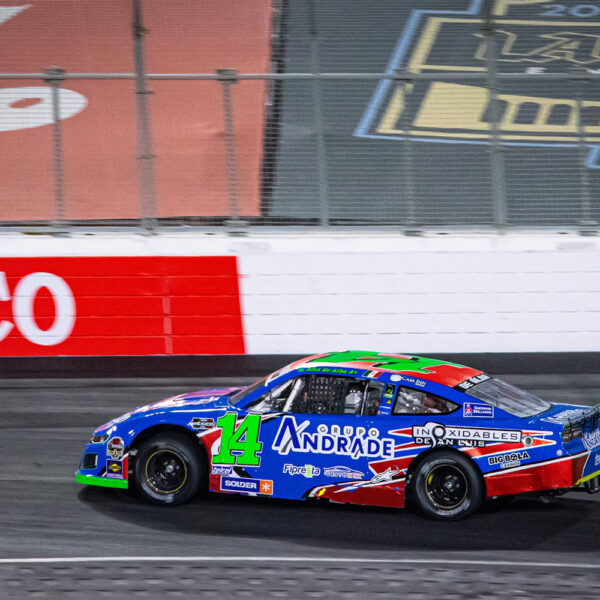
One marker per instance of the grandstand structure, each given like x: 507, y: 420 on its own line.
x: 419, y: 115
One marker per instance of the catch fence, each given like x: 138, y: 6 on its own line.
x: 494, y: 144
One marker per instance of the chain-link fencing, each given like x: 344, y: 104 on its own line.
x: 472, y: 125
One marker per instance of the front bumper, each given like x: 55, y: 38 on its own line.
x: 86, y: 479
x: 100, y: 468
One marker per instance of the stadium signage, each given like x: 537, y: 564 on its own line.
x: 458, y: 111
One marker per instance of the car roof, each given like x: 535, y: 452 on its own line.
x: 404, y: 366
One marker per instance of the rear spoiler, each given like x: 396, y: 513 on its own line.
x: 586, y: 426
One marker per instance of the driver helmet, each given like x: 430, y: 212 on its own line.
x: 353, y: 399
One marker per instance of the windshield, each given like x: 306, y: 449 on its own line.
x: 247, y: 391
x: 509, y: 398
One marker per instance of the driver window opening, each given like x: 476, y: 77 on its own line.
x: 323, y: 394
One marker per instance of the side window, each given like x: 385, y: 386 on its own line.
x: 328, y: 395
x: 418, y: 402
x: 322, y: 395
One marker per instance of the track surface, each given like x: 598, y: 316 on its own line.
x: 46, y: 514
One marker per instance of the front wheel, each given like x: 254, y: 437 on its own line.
x: 447, y: 486
x: 168, y: 469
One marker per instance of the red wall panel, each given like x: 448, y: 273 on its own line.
x: 100, y: 136
x: 79, y: 306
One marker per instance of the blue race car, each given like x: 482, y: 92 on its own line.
x: 353, y: 427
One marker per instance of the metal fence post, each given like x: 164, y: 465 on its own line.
x: 496, y: 150
x: 411, y: 225
x: 54, y: 77
x: 145, y: 155
x: 318, y: 108
x: 588, y: 226
x: 228, y: 77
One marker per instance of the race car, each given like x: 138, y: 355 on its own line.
x: 353, y: 427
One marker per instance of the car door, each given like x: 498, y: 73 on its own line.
x: 322, y: 433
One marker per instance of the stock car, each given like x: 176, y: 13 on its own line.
x: 353, y: 427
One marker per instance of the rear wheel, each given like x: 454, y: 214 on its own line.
x: 447, y: 486
x: 168, y: 469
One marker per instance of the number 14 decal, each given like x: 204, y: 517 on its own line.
x: 239, y: 446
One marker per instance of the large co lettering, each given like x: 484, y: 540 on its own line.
x: 22, y: 308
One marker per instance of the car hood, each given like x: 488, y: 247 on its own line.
x: 204, y: 399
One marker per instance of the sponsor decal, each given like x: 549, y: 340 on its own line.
x: 342, y: 473
x: 436, y: 434
x: 248, y: 486
x: 239, y: 445
x: 202, y: 423
x: 114, y: 469
x: 115, y: 448
x: 471, y: 409
x: 418, y: 382
x: 389, y: 391
x: 328, y: 370
x: 307, y: 470
x: 331, y: 440
x: 471, y: 382
x: 509, y: 460
x: 597, y: 460
x: 220, y: 470
x: 591, y: 439
x: 565, y: 415
x: 386, y: 475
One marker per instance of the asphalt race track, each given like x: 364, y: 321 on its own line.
x: 229, y: 546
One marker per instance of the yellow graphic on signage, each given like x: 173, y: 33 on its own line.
x: 463, y: 116
x: 570, y: 46
x: 501, y: 7
x: 526, y: 111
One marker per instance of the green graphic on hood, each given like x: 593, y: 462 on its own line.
x: 415, y: 364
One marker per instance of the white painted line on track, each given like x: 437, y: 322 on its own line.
x: 296, y: 559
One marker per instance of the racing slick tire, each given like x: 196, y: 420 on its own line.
x: 447, y: 486
x: 169, y: 469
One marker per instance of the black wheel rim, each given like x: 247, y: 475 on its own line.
x: 166, y: 472
x: 446, y: 486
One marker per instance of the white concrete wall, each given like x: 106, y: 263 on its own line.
x: 303, y: 293
x: 424, y: 295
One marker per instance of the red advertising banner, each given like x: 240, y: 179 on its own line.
x: 100, y: 306
x: 99, y: 129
